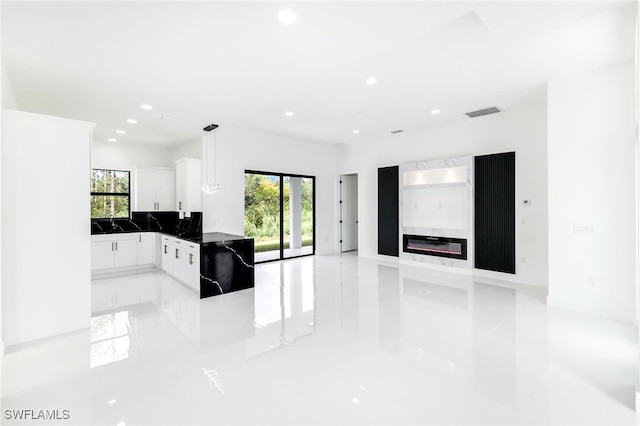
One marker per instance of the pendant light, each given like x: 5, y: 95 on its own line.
x: 210, y: 187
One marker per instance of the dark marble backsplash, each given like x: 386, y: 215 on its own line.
x: 167, y: 222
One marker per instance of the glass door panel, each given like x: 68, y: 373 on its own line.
x: 262, y: 219
x: 298, y: 216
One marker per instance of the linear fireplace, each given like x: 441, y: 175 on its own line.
x: 455, y: 248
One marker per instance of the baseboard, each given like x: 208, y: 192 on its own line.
x: 436, y: 267
x: 121, y: 272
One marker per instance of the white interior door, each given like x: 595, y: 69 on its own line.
x: 349, y: 212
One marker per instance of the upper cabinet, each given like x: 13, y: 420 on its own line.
x: 154, y: 189
x: 188, y: 185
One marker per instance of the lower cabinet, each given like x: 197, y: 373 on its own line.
x: 113, y: 253
x: 181, y: 260
x: 121, y: 251
x: 146, y: 248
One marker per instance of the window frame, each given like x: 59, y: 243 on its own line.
x: 119, y: 194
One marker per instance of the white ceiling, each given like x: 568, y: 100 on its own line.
x: 235, y: 64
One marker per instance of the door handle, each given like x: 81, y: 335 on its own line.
x: 116, y: 246
x: 176, y: 253
x: 140, y: 238
x: 179, y: 205
x: 112, y: 249
x: 190, y: 259
x: 165, y: 249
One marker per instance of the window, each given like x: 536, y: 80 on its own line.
x: 110, y: 196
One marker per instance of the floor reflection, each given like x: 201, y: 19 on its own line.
x: 110, y: 340
x: 333, y: 339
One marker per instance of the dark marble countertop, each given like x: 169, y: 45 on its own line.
x: 203, y: 239
x: 218, y: 237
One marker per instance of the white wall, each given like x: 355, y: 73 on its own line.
x: 123, y: 156
x: 45, y: 232
x: 3, y: 91
x: 592, y: 192
x: 239, y: 150
x: 522, y: 128
x: 189, y: 149
x: 8, y: 97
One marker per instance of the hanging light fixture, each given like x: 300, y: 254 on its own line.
x: 210, y: 187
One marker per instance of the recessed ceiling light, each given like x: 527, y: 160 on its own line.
x: 372, y: 80
x: 132, y: 121
x: 288, y: 114
x: 112, y: 140
x: 286, y: 16
x: 146, y: 107
x: 121, y: 132
x: 435, y: 111
x: 356, y: 131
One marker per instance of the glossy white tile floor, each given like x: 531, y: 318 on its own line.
x: 328, y: 340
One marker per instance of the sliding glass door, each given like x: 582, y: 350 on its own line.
x: 279, y: 213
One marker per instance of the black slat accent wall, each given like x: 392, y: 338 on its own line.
x: 388, y: 206
x: 495, y: 214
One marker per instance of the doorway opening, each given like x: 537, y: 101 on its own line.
x: 348, y: 212
x: 279, y: 214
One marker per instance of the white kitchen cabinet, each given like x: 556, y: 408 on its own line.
x: 102, y: 256
x: 166, y: 189
x: 188, y: 185
x: 192, y: 274
x: 181, y: 260
x: 113, y: 251
x: 146, y: 248
x: 122, y: 251
x: 153, y: 189
x: 125, y: 253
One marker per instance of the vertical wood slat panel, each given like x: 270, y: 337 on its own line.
x: 388, y: 210
x: 495, y: 212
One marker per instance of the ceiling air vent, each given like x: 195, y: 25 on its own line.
x: 393, y: 132
x: 481, y: 112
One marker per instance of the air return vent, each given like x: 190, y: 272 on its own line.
x: 481, y: 112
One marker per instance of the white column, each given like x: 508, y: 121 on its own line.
x: 295, y: 212
x: 46, y: 274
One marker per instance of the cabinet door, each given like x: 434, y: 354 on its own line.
x: 144, y: 198
x: 166, y: 189
x: 180, y: 265
x: 126, y: 253
x: 181, y: 201
x: 193, y: 269
x: 165, y: 254
x: 146, y: 246
x: 102, y: 254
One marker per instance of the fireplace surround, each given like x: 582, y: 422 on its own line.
x: 455, y: 248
